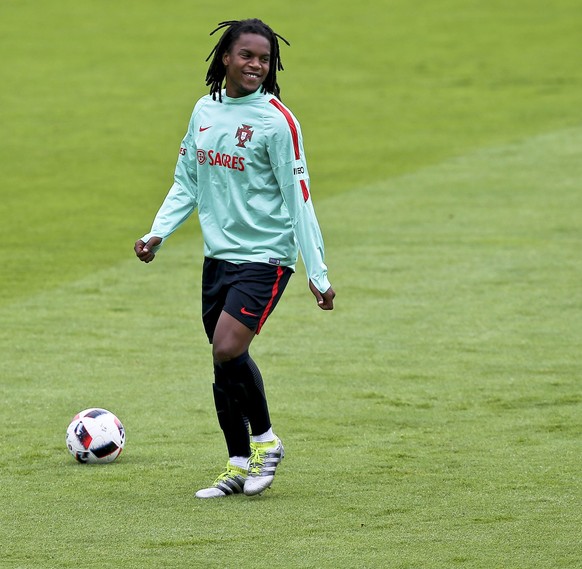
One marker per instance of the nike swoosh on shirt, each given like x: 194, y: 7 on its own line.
x: 244, y: 311
x: 203, y: 128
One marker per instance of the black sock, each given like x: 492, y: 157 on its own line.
x: 246, y: 384
x: 233, y: 423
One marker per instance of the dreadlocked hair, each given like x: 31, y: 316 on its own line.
x: 234, y: 28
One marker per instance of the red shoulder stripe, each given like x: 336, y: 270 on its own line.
x: 304, y: 189
x: 276, y: 103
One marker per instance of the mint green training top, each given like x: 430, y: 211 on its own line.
x: 242, y: 164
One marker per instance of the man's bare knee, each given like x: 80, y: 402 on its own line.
x: 231, y: 339
x: 223, y: 352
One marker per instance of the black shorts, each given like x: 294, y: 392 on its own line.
x: 248, y: 292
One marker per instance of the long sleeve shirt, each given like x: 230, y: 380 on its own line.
x: 242, y: 165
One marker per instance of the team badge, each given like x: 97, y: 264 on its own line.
x: 201, y: 155
x: 244, y: 134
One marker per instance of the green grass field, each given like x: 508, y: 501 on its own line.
x: 432, y: 421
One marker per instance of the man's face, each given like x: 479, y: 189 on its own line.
x: 247, y: 64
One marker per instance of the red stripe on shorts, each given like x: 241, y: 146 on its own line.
x: 270, y: 303
x: 291, y: 124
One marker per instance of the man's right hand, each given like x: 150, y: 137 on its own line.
x: 144, y: 251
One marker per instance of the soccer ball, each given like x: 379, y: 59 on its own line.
x: 95, y: 436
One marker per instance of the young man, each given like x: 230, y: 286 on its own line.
x: 242, y: 165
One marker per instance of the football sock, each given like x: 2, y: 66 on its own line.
x: 245, y: 384
x: 240, y: 461
x: 258, y: 378
x: 264, y: 438
x: 230, y: 416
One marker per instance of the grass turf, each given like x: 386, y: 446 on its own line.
x: 97, y: 98
x: 451, y: 436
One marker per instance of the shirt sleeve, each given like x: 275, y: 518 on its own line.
x: 290, y: 168
x: 182, y: 198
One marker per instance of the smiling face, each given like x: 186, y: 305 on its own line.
x: 247, y: 64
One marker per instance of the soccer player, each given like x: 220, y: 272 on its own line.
x: 242, y: 165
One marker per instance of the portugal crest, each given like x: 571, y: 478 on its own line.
x: 201, y: 156
x: 243, y: 134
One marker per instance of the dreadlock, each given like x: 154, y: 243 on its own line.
x: 216, y: 72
